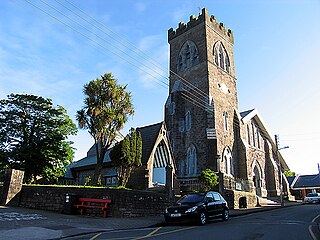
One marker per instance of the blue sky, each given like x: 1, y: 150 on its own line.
x: 277, y: 46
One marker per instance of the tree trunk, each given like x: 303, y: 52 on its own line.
x: 97, y: 178
x: 97, y: 174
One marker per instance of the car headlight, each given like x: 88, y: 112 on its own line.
x: 190, y: 210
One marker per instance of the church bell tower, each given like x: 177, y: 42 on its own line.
x: 202, y: 104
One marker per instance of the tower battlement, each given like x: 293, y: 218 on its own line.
x: 194, y: 21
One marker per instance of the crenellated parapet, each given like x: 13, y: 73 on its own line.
x: 204, y: 17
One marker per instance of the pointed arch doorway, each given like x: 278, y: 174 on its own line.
x: 257, y: 179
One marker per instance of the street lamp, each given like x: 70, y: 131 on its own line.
x: 280, y: 168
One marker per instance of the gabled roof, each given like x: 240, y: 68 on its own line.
x: 149, y: 135
x: 245, y: 113
x: 306, y: 181
x: 246, y: 116
x: 290, y: 180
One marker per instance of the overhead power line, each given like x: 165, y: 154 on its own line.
x: 190, y: 93
x: 149, y: 71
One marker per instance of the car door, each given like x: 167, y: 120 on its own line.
x: 219, y: 203
x: 209, y: 200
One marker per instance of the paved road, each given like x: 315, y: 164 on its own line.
x: 299, y: 222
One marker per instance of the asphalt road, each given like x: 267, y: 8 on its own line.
x: 299, y: 222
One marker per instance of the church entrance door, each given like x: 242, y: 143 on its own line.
x: 257, y: 180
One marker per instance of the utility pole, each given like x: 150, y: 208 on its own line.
x: 276, y: 137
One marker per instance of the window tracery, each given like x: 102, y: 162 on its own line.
x: 221, y: 57
x: 188, y: 56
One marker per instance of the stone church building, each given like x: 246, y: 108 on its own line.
x: 205, y: 127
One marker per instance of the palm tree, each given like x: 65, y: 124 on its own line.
x: 107, y: 106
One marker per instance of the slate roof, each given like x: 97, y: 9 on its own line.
x: 245, y: 113
x: 68, y: 173
x: 149, y: 135
x: 90, y: 160
x: 307, y: 181
x: 290, y: 180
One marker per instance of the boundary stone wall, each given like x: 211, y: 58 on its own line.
x: 125, y: 203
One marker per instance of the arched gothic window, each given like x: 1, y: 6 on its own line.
x: 221, y: 56
x: 188, y: 121
x: 188, y: 56
x: 228, y: 163
x: 226, y: 119
x: 248, y: 134
x: 191, y: 161
x: 173, y: 108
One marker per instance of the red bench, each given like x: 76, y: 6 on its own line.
x: 103, y: 204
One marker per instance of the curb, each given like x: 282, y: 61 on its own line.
x: 262, y: 209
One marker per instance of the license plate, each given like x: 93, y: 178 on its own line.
x: 175, y: 215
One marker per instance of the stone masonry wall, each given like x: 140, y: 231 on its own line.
x: 11, y: 186
x: 125, y: 203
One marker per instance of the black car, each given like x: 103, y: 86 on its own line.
x: 198, y: 207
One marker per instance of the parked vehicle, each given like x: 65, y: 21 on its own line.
x: 312, y: 198
x: 198, y: 207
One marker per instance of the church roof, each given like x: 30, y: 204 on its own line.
x: 245, y: 113
x: 149, y: 135
x: 246, y: 116
x: 290, y: 179
x: 89, y: 160
x: 306, y: 181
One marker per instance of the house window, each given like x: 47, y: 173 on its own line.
x: 221, y: 57
x: 188, y: 121
x: 108, y: 182
x: 114, y: 181
x: 191, y: 161
x: 226, y: 119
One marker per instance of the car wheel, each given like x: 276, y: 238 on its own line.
x: 225, y: 215
x: 202, y: 218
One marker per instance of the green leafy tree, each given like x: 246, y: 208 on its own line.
x: 107, y: 106
x: 208, y: 180
x: 289, y: 174
x: 126, y: 156
x: 33, y: 136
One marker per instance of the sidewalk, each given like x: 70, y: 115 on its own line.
x: 22, y: 223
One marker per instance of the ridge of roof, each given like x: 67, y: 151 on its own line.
x: 150, y: 126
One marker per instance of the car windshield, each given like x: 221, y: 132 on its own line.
x: 191, y: 198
